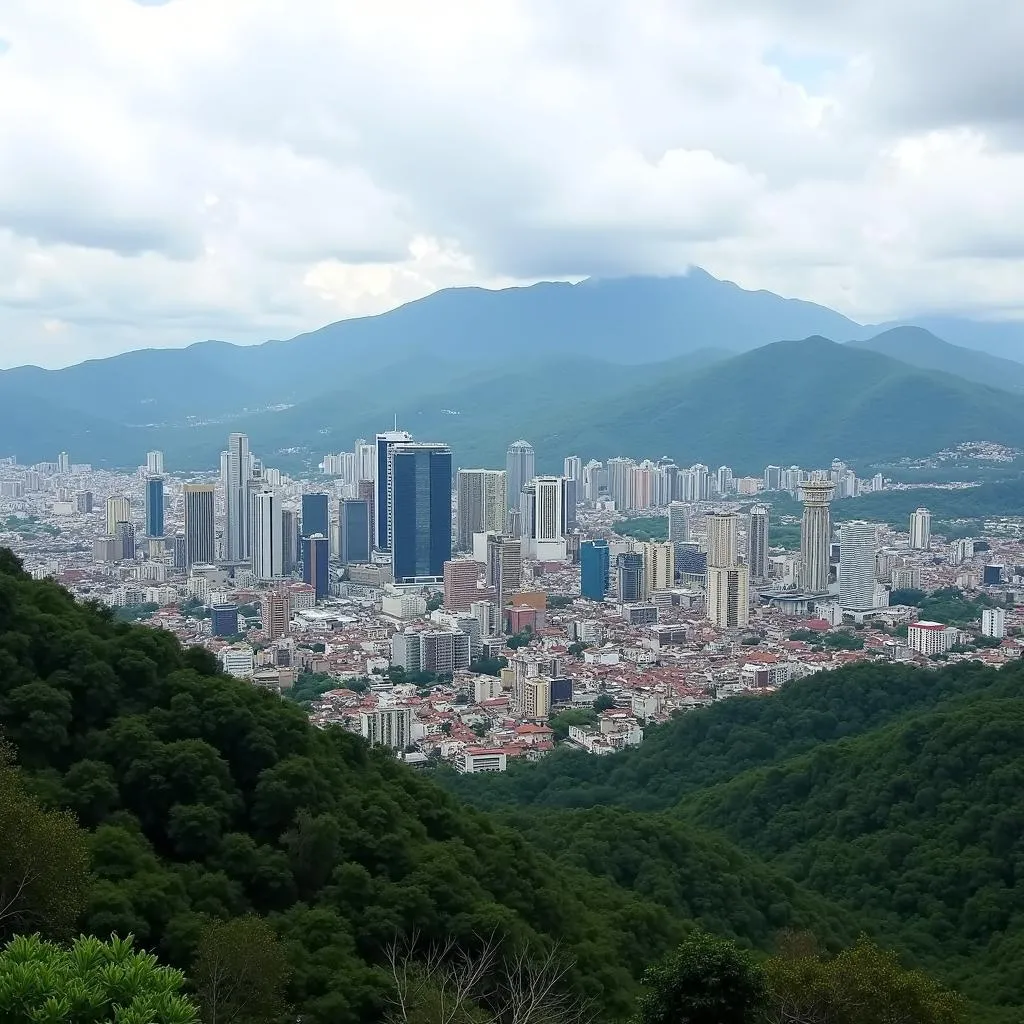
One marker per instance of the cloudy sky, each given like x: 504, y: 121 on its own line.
x: 246, y: 169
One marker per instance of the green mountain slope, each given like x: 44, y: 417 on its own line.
x: 921, y: 822
x: 206, y: 797
x: 918, y: 347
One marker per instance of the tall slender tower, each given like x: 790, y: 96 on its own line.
x: 678, y: 526
x: 722, y: 530
x: 266, y: 533
x: 921, y: 529
x: 816, y: 535
x: 858, y: 544
x: 757, y: 542
x: 200, y: 526
x: 236, y: 466
x: 481, y: 504
x: 382, y: 485
x: 155, y: 506
x: 520, y: 469
x: 420, y: 510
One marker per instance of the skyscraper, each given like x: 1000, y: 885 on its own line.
x: 721, y: 538
x: 921, y: 530
x: 728, y: 596
x: 119, y: 510
x: 354, y: 525
x: 316, y: 551
x: 757, y: 542
x: 289, y: 540
x: 276, y: 614
x: 629, y: 573
x: 659, y: 566
x: 460, y: 589
x: 573, y: 468
x: 63, y: 463
x: 772, y: 478
x: 858, y: 544
x: 815, y: 535
x: 480, y: 504
x: 420, y: 510
x: 504, y: 569
x: 595, y: 568
x: 315, y: 515
x: 236, y: 466
x: 155, y: 506
x: 124, y: 534
x: 543, y: 508
x: 678, y: 525
x: 386, y: 441
x: 200, y: 524
x: 265, y: 531
x: 520, y: 469
x: 155, y: 463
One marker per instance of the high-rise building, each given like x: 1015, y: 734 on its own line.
x: 728, y: 596
x: 724, y: 479
x: 757, y: 542
x: 481, y: 505
x: 179, y: 552
x: 265, y: 532
x: 224, y: 620
x: 772, y: 478
x: 921, y: 530
x: 290, y: 534
x: 155, y: 463
x: 276, y: 614
x: 200, y: 524
x: 544, y: 509
x: 504, y: 570
x: 815, y: 535
x: 722, y: 534
x: 659, y: 566
x: 387, y: 726
x: 678, y: 525
x: 595, y: 569
x: 386, y: 441
x: 63, y: 464
x: 84, y: 501
x: 460, y: 589
x: 858, y: 544
x: 573, y: 468
x: 155, y: 506
x: 119, y: 510
x: 124, y: 536
x: 316, y: 564
x: 420, y: 510
x: 520, y: 469
x: 315, y: 515
x: 236, y: 469
x: 629, y: 574
x: 993, y: 622
x: 354, y: 527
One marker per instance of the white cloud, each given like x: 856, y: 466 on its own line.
x: 252, y: 168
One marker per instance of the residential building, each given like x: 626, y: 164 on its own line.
x: 520, y: 469
x: 460, y: 583
x: 757, y: 542
x: 420, y: 510
x: 238, y: 660
x: 543, y: 523
x: 858, y: 543
x: 480, y: 506
x: 388, y: 726
x: 816, y: 535
x: 124, y: 536
x: 722, y: 539
x: 236, y: 472
x: 728, y: 598
x: 276, y: 613
x: 930, y: 637
x: 921, y: 530
x: 119, y: 510
x: 290, y: 533
x: 155, y: 506
x: 629, y: 574
x: 993, y: 622
x: 678, y: 525
x: 595, y: 569
x: 659, y: 566
x: 504, y: 570
x: 200, y: 524
x: 155, y: 463
x: 431, y: 650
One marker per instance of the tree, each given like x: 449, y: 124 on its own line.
x: 447, y: 984
x: 434, y: 602
x: 707, y: 980
x: 44, y: 863
x: 861, y: 985
x: 240, y: 972
x: 90, y: 982
x: 604, y: 702
x: 577, y: 649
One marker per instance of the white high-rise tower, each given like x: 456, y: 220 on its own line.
x: 266, y: 531
x: 816, y: 535
x: 921, y: 530
x: 858, y: 543
x: 236, y: 467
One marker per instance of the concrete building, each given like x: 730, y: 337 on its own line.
x: 757, y: 542
x: 728, y: 597
x: 236, y: 473
x: 482, y: 759
x: 276, y: 613
x: 659, y: 566
x: 481, y: 504
x: 460, y: 583
x: 930, y: 637
x: 921, y: 530
x: 993, y: 623
x: 200, y: 524
x: 387, y: 726
x: 816, y: 535
x: 543, y: 517
x: 504, y: 569
x: 520, y: 469
x: 858, y: 543
x: 722, y: 539
x: 119, y: 510
x: 266, y: 538
x: 431, y: 650
x: 629, y: 575
x: 238, y: 660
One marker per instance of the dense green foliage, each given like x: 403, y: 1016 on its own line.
x: 89, y: 983
x: 949, y: 605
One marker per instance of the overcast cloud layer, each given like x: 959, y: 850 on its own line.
x: 245, y: 169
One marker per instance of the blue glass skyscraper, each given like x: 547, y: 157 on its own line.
x: 315, y: 517
x: 421, y: 510
x: 595, y: 569
x: 315, y: 567
x: 155, y: 506
x: 354, y: 520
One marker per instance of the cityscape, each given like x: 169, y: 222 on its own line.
x: 480, y: 615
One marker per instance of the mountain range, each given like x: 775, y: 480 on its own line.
x: 690, y: 366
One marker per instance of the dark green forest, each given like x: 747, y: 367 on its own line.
x: 155, y: 797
